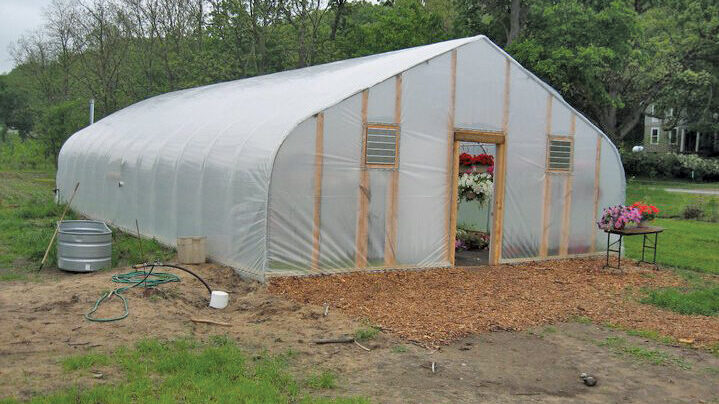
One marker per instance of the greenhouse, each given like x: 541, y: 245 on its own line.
x: 353, y: 165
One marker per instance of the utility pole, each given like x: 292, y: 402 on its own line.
x: 92, y: 111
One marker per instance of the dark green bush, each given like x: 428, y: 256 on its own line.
x: 693, y: 211
x: 670, y: 165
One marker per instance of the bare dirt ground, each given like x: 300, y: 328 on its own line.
x: 42, y: 322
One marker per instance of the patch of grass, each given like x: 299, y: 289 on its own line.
x: 620, y: 346
x: 366, y: 333
x: 323, y: 380
x: 185, y: 370
x: 581, y: 319
x: 703, y: 301
x: 652, y: 335
x: 671, y: 204
x: 648, y: 334
x: 549, y: 330
x: 399, y: 348
x: 85, y: 361
x: 28, y: 215
x: 681, y: 244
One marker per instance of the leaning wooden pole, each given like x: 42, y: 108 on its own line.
x: 54, y: 234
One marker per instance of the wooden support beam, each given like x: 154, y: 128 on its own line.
x: 500, y: 174
x: 390, y: 242
x: 451, y: 215
x: 361, y: 239
x: 319, y: 147
x: 595, y: 218
x: 568, y: 182
x: 455, y: 197
x: 469, y: 135
x: 547, y: 199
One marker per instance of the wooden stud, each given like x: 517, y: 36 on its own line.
x: 451, y: 166
x: 597, y: 161
x: 547, y: 200
x: 319, y: 147
x: 363, y: 210
x: 390, y: 242
x: 455, y: 197
x: 568, y: 182
x: 500, y: 173
x: 469, y: 135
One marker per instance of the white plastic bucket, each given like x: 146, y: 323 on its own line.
x: 219, y: 299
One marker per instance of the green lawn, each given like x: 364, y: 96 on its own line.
x: 28, y: 215
x: 689, y: 246
x: 672, y: 204
x: 187, y: 371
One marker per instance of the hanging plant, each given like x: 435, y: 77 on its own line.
x: 475, y: 186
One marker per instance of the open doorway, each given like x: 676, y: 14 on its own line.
x: 474, y: 203
x: 477, y: 198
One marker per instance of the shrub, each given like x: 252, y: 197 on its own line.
x: 670, y: 165
x: 693, y: 210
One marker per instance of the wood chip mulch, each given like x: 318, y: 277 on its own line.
x: 436, y: 306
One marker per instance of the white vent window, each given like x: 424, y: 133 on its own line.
x: 381, y: 145
x: 560, y: 154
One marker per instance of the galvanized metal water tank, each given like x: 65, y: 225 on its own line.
x: 84, y: 245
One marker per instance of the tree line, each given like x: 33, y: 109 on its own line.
x: 610, y: 59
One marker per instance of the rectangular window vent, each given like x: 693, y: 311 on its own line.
x: 560, y: 155
x: 381, y: 145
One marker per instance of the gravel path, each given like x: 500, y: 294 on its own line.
x: 694, y: 191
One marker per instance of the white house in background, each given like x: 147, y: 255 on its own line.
x: 678, y: 139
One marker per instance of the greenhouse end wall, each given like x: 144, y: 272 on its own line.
x: 422, y: 198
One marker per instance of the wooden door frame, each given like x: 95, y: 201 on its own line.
x: 500, y: 171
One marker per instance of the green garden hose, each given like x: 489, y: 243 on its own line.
x: 147, y: 279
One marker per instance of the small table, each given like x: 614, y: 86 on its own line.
x: 633, y: 231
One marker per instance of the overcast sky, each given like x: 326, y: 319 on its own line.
x: 16, y: 18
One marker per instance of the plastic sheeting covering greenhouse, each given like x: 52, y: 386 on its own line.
x: 346, y: 165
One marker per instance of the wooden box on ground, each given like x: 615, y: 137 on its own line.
x: 191, y: 250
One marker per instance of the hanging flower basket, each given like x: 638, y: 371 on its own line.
x: 475, y: 178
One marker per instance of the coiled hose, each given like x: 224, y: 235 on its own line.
x: 147, y: 279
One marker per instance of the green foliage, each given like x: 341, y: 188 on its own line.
x: 703, y: 301
x: 672, y: 204
x: 384, y: 27
x: 85, y: 361
x: 17, y: 153
x: 323, y: 380
x: 58, y: 123
x: 191, y: 372
x: 653, y: 356
x: 693, y: 211
x: 670, y: 165
x: 399, y: 349
x: 366, y: 333
x: 681, y: 243
x: 14, y: 108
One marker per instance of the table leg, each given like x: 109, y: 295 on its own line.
x: 656, y: 235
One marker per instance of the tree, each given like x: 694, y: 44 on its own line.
x: 14, y: 109
x: 58, y: 123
